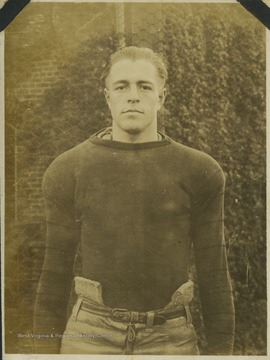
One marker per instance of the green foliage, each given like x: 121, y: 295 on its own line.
x: 216, y: 103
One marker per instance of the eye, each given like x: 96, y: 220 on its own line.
x: 145, y: 87
x: 120, y: 88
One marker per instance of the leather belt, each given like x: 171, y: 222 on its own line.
x: 133, y: 317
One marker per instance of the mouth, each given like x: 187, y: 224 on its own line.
x: 132, y: 111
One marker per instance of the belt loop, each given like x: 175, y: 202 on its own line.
x: 150, y: 321
x: 188, y: 313
x: 77, y: 307
x: 134, y: 318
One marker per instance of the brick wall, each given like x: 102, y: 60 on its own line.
x: 45, y: 39
x: 43, y: 74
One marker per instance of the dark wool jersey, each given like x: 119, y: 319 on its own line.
x: 135, y: 209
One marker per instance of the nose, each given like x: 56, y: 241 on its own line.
x: 133, y: 95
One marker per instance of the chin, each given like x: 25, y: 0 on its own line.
x: 132, y: 127
x: 133, y: 131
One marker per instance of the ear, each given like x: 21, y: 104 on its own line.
x: 162, y: 96
x: 107, y: 96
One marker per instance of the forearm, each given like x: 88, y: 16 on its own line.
x: 218, y: 312
x: 53, y: 293
x: 212, y: 267
x: 50, y: 313
x: 220, y: 338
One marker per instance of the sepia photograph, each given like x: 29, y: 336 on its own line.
x: 135, y: 180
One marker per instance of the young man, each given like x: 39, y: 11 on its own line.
x: 135, y: 201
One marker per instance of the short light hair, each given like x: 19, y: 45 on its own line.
x: 137, y: 53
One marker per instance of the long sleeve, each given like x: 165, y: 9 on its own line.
x: 57, y: 274
x: 211, y: 263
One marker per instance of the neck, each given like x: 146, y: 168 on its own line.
x: 150, y: 134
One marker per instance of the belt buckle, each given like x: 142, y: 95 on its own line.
x: 121, y: 315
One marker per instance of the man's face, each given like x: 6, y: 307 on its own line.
x: 134, y: 94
